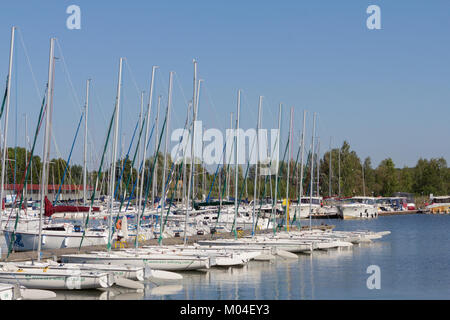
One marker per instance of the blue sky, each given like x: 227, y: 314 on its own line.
x: 385, y: 91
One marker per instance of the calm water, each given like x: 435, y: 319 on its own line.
x: 414, y: 262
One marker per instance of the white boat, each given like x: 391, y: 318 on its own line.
x: 43, y: 278
x: 219, y: 257
x: 303, y: 209
x: 438, y: 204
x: 358, y: 208
x: 289, y: 245
x: 55, y: 236
x: 122, y: 271
x: 161, y: 277
x: 8, y: 292
x: 16, y: 292
x: 168, y: 262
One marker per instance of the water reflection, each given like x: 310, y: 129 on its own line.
x: 413, y: 261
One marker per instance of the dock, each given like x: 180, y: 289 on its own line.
x: 397, y: 213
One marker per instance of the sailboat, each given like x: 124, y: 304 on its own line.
x: 51, y: 235
x: 44, y: 278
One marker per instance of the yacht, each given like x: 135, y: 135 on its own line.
x: 358, y: 208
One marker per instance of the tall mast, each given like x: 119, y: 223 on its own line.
x: 5, y: 136
x: 86, y: 108
x: 329, y: 172
x: 114, y: 154
x: 311, y: 186
x: 46, y: 147
x: 274, y: 207
x: 26, y: 155
x: 185, y: 196
x: 339, y: 172
x: 194, y: 119
x: 364, y: 184
x: 147, y: 127
x: 256, y: 165
x: 228, y: 177
x: 191, y: 180
x: 236, y: 155
x: 318, y: 166
x: 203, y: 171
x: 301, y: 162
x: 141, y: 115
x: 163, y: 194
x: 288, y: 169
x: 155, y: 179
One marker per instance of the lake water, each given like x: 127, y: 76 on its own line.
x: 413, y: 260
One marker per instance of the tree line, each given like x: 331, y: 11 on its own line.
x: 350, y: 176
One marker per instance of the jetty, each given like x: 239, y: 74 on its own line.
x: 398, y: 213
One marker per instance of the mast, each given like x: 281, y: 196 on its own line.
x: 26, y: 156
x: 364, y: 184
x: 155, y: 180
x: 339, y: 172
x: 228, y: 177
x: 141, y: 115
x: 318, y: 166
x: 311, y: 186
x: 191, y: 182
x: 5, y: 136
x: 114, y: 154
x: 274, y: 210
x: 236, y: 155
x: 288, y: 169
x: 46, y: 147
x: 185, y: 196
x: 163, y: 194
x: 86, y: 107
x: 196, y: 114
x: 256, y: 165
x: 147, y: 127
x: 301, y: 163
x: 194, y: 119
x: 329, y: 172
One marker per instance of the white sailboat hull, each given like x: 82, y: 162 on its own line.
x: 156, y: 262
x: 55, y: 280
x: 28, y: 240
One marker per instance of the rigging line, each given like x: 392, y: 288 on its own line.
x: 132, y: 78
x: 29, y: 64
x: 131, y: 167
x: 170, y: 175
x: 24, y: 179
x: 150, y: 180
x: 178, y: 176
x: 181, y: 88
x: 69, y: 77
x: 125, y: 160
x: 140, y: 169
x: 68, y: 162
x: 243, y: 184
x: 99, y: 174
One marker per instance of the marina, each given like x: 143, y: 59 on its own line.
x: 145, y: 172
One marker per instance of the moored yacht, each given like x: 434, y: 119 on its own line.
x: 358, y: 208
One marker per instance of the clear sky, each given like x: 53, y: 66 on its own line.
x: 386, y: 92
